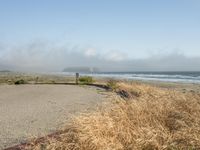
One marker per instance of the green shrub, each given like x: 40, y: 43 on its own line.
x: 86, y: 80
x: 112, y: 84
x: 21, y: 81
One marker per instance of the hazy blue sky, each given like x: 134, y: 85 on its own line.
x: 117, y: 30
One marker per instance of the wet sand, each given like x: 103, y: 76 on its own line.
x: 28, y: 111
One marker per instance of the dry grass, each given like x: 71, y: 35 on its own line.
x: 147, y: 118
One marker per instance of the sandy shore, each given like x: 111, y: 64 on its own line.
x: 28, y: 111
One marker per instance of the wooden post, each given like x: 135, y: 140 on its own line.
x: 77, y: 78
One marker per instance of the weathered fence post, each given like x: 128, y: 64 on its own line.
x: 77, y: 78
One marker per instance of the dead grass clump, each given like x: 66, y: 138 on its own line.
x: 127, y: 91
x: 112, y: 84
x: 151, y: 119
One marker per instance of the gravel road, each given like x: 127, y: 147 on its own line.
x: 28, y: 111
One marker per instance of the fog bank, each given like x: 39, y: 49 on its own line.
x: 47, y: 57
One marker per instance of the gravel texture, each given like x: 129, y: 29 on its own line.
x: 28, y: 111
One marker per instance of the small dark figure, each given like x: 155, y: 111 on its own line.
x: 77, y: 78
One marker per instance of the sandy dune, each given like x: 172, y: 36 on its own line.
x: 35, y: 110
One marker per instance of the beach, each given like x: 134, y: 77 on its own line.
x: 29, y: 111
x: 42, y: 105
x: 99, y: 75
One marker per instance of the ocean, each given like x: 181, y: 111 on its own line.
x: 183, y: 77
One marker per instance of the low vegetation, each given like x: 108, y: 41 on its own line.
x: 11, y: 78
x: 112, y: 84
x: 21, y: 81
x: 86, y: 80
x: 142, y: 118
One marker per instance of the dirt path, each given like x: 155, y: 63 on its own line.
x: 28, y: 111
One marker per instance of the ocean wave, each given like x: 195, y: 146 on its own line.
x: 154, y: 77
x: 187, y: 77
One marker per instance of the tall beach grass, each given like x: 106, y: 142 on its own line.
x: 143, y: 117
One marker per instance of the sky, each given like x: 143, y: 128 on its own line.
x: 113, y: 35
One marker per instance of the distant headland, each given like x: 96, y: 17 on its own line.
x: 82, y: 69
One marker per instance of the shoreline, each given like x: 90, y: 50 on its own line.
x: 70, y: 76
x: 53, y: 81
x: 37, y: 78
